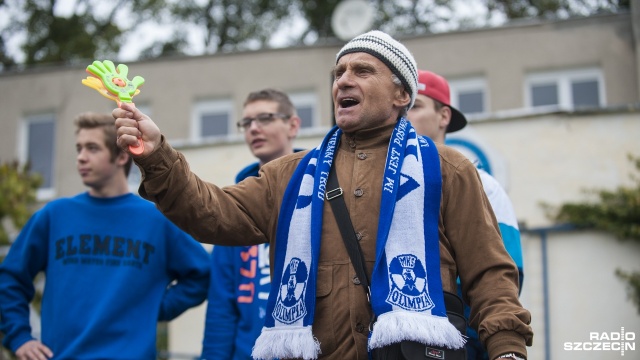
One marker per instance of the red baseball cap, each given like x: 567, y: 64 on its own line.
x: 437, y: 88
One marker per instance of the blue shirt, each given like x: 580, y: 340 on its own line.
x: 109, y: 264
x: 238, y: 294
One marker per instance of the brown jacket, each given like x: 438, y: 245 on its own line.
x: 247, y: 213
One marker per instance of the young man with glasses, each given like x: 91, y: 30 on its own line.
x: 240, y: 281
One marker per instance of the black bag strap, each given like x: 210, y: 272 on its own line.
x: 334, y: 196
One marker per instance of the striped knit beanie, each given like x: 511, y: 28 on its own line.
x: 392, y: 53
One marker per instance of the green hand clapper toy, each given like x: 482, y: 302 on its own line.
x: 112, y: 83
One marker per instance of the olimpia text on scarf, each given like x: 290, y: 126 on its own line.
x: 406, y: 287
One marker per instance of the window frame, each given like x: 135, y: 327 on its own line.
x: 563, y: 79
x: 306, y: 99
x: 43, y: 193
x: 222, y: 105
x: 479, y: 83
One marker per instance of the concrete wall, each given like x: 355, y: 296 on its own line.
x: 582, y: 293
x: 504, y: 58
x: 553, y: 158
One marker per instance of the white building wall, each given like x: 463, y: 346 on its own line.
x: 584, y: 295
x: 553, y: 158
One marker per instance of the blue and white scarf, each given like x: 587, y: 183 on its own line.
x: 406, y: 289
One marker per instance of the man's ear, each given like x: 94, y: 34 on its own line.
x: 294, y: 125
x: 402, y: 98
x: 445, y: 116
x: 122, y: 158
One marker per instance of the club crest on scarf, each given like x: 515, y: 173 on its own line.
x: 290, y: 306
x: 408, y: 279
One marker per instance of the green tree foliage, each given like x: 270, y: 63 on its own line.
x: 6, y: 62
x: 318, y: 16
x: 54, y: 39
x: 516, y: 9
x: 231, y: 25
x: 17, y: 193
x: 616, y: 212
x: 96, y: 29
x: 395, y: 17
x: 633, y: 285
x: 413, y: 17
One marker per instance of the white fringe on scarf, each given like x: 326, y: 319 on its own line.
x: 289, y: 343
x: 395, y: 326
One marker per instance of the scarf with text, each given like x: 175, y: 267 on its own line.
x: 406, y: 289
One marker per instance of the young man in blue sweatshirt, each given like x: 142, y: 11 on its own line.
x: 114, y: 265
x: 240, y: 275
x: 433, y: 116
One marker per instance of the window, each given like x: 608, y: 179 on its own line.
x: 544, y: 94
x: 38, y: 148
x: 570, y: 89
x: 306, y: 106
x: 469, y: 95
x: 585, y: 93
x: 212, y: 118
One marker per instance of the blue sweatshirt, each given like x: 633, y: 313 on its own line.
x: 238, y: 293
x: 108, y: 264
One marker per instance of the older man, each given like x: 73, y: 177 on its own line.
x: 418, y: 210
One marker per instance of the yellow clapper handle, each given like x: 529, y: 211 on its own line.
x: 112, y: 82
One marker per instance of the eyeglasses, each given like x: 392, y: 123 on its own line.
x: 261, y: 120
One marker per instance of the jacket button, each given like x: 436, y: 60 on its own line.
x: 356, y: 280
x: 359, y: 327
x: 362, y: 156
x: 358, y: 192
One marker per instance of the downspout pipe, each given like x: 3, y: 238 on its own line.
x: 543, y: 232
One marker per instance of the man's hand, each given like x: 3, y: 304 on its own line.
x: 133, y: 126
x: 33, y: 350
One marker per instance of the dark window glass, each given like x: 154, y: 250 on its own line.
x: 306, y: 116
x: 214, y: 124
x: 544, y: 94
x: 41, y: 150
x: 585, y: 93
x: 471, y: 102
